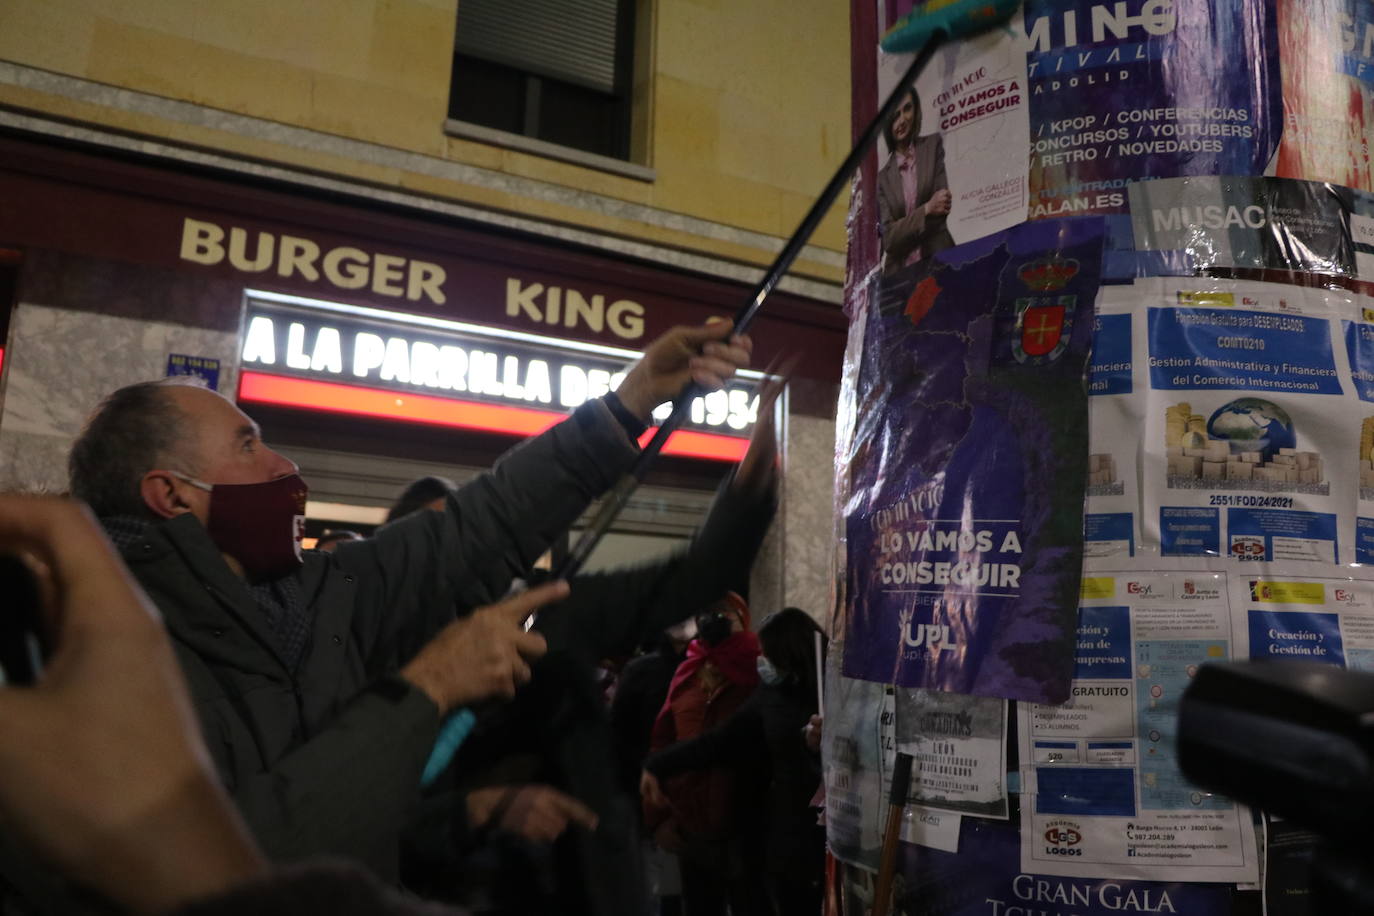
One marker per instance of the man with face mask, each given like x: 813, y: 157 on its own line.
x: 318, y: 738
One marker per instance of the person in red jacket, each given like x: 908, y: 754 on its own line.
x: 708, y: 811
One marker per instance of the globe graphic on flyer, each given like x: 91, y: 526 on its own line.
x: 1253, y: 425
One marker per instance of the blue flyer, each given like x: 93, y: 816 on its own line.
x: 203, y: 367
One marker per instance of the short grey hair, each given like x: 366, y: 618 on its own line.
x: 133, y: 431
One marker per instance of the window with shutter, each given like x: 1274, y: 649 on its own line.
x: 553, y: 70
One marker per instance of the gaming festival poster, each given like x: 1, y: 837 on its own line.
x: 1125, y: 92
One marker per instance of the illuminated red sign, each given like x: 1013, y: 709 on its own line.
x: 356, y: 360
x: 283, y: 391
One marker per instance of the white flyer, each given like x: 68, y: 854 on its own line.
x: 1111, y: 521
x: 958, y: 749
x: 1245, y: 435
x: 929, y: 827
x: 853, y: 764
x: 1103, y: 795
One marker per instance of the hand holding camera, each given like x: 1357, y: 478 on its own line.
x: 102, y: 769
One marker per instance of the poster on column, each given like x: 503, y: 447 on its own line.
x: 951, y: 162
x: 1305, y: 618
x: 1357, y: 333
x: 986, y: 878
x: 853, y: 763
x: 1145, y: 89
x: 929, y: 826
x: 1362, y: 232
x: 964, y: 524
x: 1327, y: 48
x: 1277, y: 223
x: 1077, y: 99
x: 1063, y: 110
x: 958, y: 749
x: 1289, y: 851
x: 1111, y: 523
x: 1104, y: 795
x: 1248, y: 429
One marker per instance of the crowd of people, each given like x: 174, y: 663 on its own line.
x: 226, y: 723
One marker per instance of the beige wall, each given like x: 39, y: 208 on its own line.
x: 745, y: 114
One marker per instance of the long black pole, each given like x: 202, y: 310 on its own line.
x: 619, y: 495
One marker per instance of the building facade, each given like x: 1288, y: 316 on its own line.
x: 192, y: 188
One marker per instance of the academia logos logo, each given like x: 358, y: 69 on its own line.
x: 1247, y: 547
x: 1062, y: 838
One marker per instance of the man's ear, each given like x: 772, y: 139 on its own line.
x: 161, y: 493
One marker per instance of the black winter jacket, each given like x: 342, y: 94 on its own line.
x: 764, y: 740
x: 317, y: 761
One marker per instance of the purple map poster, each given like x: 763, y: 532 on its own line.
x: 965, y: 520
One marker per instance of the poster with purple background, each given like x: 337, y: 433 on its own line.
x: 965, y: 516
x: 1127, y: 91
x: 1116, y: 92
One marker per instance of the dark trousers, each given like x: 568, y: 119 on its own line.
x: 795, y: 872
x: 707, y: 892
x: 795, y: 895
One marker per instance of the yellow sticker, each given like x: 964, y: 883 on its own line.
x: 1287, y: 592
x: 1100, y: 587
x: 1367, y: 314
x: 1205, y: 299
x: 1216, y: 651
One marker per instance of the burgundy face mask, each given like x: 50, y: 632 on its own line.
x: 258, y: 524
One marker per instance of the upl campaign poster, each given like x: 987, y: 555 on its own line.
x: 964, y: 522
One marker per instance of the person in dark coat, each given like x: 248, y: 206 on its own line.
x: 105, y: 780
x: 330, y: 540
x: 639, y: 695
x: 569, y: 762
x: 423, y: 493
x: 766, y: 733
x: 705, y: 815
